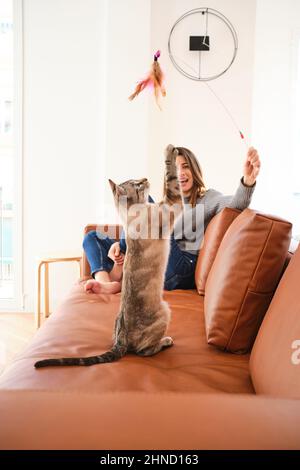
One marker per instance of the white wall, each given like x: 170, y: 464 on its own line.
x: 63, y: 49
x: 127, y: 126
x: 273, y: 101
x: 82, y: 59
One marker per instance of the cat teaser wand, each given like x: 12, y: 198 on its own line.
x: 154, y: 80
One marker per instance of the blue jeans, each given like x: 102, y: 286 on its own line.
x: 180, y: 268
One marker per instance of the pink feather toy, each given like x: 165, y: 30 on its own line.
x: 153, y: 80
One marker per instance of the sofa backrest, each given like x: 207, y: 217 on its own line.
x: 275, y: 357
x: 214, y: 234
x: 243, y: 279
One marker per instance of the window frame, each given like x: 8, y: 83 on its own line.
x: 17, y: 302
x: 295, y: 113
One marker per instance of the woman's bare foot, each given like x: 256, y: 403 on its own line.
x: 97, y: 287
x: 92, y: 286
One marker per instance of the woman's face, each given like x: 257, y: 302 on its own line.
x: 184, y: 175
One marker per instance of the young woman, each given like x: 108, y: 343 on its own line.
x: 106, y: 256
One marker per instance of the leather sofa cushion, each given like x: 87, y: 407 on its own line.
x: 275, y: 357
x: 83, y: 326
x: 214, y: 234
x: 136, y: 420
x: 243, y: 278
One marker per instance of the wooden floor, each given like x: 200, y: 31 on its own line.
x: 16, y: 330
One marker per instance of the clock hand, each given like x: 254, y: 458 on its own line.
x: 204, y: 43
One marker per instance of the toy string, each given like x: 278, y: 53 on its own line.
x: 222, y: 104
x: 229, y: 114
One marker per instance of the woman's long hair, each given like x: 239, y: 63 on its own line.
x: 198, y: 189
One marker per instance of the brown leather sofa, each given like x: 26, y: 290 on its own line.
x: 194, y: 395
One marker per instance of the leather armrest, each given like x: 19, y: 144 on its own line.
x: 137, y: 420
x: 112, y: 230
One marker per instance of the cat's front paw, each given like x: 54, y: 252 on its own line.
x: 170, y: 152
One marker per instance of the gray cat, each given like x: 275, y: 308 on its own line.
x: 143, y: 318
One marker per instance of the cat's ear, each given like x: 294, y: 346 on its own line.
x: 112, y: 185
x: 120, y: 191
x: 117, y: 189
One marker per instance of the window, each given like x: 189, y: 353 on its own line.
x: 10, y: 86
x: 296, y: 113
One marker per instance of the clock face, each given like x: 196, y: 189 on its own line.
x: 202, y: 44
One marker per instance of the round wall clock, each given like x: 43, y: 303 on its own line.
x: 202, y: 44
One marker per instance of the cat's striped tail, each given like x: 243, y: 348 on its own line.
x: 116, y: 352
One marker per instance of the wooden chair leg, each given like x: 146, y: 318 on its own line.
x: 80, y: 268
x: 38, y: 306
x: 46, y: 287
